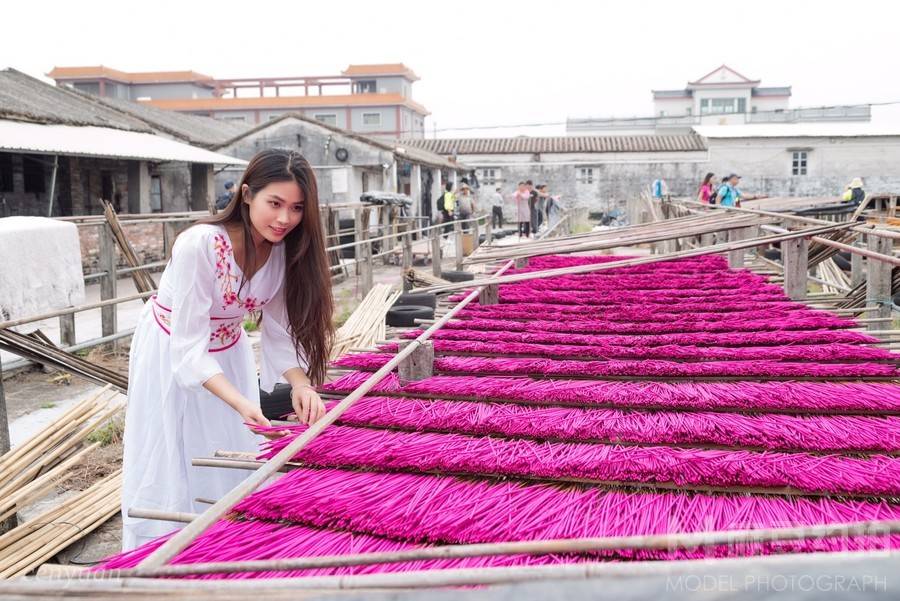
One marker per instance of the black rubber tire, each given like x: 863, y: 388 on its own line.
x: 457, y: 276
x: 404, y: 316
x: 842, y: 262
x: 482, y: 238
x: 421, y: 299
x: 772, y: 254
x: 277, y: 404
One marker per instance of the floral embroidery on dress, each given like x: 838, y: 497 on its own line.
x: 226, y: 333
x: 224, y: 255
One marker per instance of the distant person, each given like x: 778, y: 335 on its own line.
x: 497, y: 208
x: 659, y: 189
x: 854, y: 192
x: 226, y: 196
x: 541, y: 205
x: 728, y: 194
x: 707, y: 190
x: 522, y: 199
x: 465, y: 204
x: 447, y: 207
x: 553, y: 207
x: 532, y: 206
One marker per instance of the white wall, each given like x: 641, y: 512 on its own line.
x: 765, y: 164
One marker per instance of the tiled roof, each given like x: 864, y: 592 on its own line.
x: 565, y: 144
x: 400, y: 149
x: 383, y: 70
x: 286, y: 102
x: 100, y: 71
x: 24, y: 98
x: 203, y: 131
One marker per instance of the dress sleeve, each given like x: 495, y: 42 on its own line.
x: 192, y: 273
x: 278, y: 352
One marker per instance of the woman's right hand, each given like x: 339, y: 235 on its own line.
x: 254, y: 418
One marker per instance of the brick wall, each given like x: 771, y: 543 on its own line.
x: 147, y: 239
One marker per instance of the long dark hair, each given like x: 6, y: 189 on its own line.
x: 307, y: 276
x: 706, y: 181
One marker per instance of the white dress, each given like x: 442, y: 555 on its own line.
x: 191, y: 331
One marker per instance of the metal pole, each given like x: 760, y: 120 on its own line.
x: 53, y: 184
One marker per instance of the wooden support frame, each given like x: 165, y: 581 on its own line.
x: 795, y: 254
x: 419, y: 364
x: 699, y: 252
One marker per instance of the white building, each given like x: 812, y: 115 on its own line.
x: 721, y: 97
x: 782, y: 159
x: 805, y: 159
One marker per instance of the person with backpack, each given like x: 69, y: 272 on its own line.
x: 728, y: 194
x: 446, y: 204
x: 707, y: 191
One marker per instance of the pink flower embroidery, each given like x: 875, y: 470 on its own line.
x: 226, y: 333
x: 224, y: 256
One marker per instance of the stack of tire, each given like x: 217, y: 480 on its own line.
x: 420, y: 305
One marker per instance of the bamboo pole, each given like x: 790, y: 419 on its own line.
x: 665, y: 542
x: 183, y: 538
x: 86, y: 307
x: 233, y: 460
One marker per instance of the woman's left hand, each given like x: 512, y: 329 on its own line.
x: 307, y: 405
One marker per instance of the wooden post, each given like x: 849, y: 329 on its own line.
x: 795, y: 255
x: 67, y: 329
x: 878, y: 279
x: 407, y: 257
x: 107, y: 263
x: 436, y: 251
x: 9, y: 524
x: 475, y: 233
x: 363, y: 253
x: 857, y: 269
x: 736, y: 257
x: 521, y: 263
x: 458, y: 243
x: 384, y: 217
x: 169, y: 234
x: 419, y: 364
x: 489, y: 295
x: 489, y: 231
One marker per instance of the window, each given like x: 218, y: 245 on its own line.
x: 239, y: 119
x: 34, y: 174
x: 366, y: 86
x: 719, y: 106
x: 489, y: 177
x: 6, y: 173
x: 585, y: 175
x: 326, y: 118
x: 155, y: 194
x: 798, y: 163
x: 371, y: 119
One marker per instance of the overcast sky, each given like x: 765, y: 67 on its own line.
x: 486, y: 63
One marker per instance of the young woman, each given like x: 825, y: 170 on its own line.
x: 193, y: 387
x: 707, y: 191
